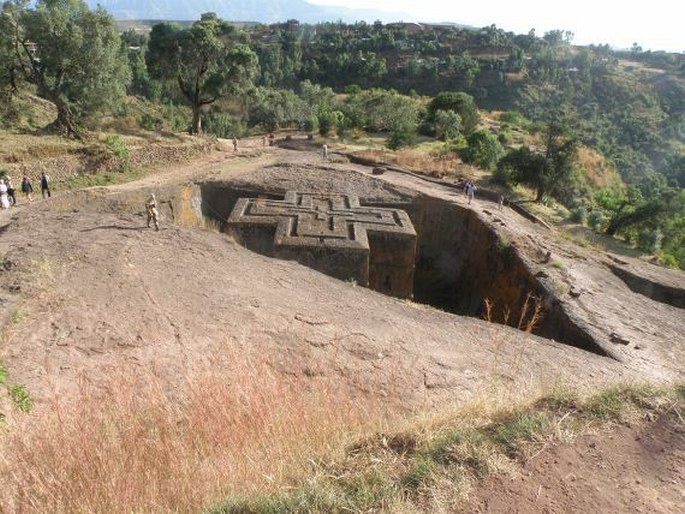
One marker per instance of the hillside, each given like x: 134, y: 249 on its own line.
x: 104, y: 317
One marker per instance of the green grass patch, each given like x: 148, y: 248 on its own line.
x: 20, y: 397
x: 512, y: 434
x: 557, y: 264
x: 467, y: 448
x: 18, y: 394
x: 353, y: 493
x: 420, y: 474
x: 613, y: 403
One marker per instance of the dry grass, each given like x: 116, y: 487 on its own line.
x: 15, y: 148
x: 432, y: 163
x: 432, y: 464
x: 529, y: 317
x: 600, y: 173
x: 233, y: 429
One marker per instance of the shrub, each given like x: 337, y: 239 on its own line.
x: 483, y: 149
x: 650, y: 240
x: 579, y: 215
x: 401, y: 137
x: 223, y: 125
x: 595, y: 220
x: 513, y: 118
x: 311, y: 124
x: 117, y: 146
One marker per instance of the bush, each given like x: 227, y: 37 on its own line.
x: 579, y: 215
x: 650, y: 240
x: 149, y: 122
x: 513, y: 117
x: 311, y: 124
x: 505, y: 137
x: 223, y: 125
x: 483, y: 149
x: 401, y: 137
x: 504, y: 175
x: 595, y: 220
x: 117, y: 146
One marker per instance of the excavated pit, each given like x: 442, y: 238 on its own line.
x: 460, y: 264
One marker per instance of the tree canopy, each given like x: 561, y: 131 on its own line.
x: 549, y: 171
x: 208, y: 61
x: 73, y: 56
x: 459, y: 102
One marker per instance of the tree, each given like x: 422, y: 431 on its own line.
x: 461, y: 103
x: 447, y: 125
x: 10, y: 66
x: 549, y: 172
x: 464, y: 66
x: 208, y: 61
x: 74, y: 57
x: 483, y: 149
x: 382, y: 110
x: 402, y: 136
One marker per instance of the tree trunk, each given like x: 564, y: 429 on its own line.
x: 65, y: 121
x: 540, y: 195
x: 196, y: 127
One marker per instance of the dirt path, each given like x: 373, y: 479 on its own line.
x: 632, y: 467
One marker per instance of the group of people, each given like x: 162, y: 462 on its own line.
x: 8, y: 193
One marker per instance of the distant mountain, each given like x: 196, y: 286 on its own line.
x: 264, y: 11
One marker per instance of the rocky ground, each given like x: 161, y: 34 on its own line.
x: 87, y: 289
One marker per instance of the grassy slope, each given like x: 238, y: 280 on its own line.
x: 432, y: 464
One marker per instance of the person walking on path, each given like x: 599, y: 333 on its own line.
x: 45, y: 185
x: 500, y: 205
x: 151, y: 211
x: 324, y: 151
x: 470, y: 191
x: 235, y: 144
x: 10, y: 191
x: 4, y: 200
x: 27, y: 188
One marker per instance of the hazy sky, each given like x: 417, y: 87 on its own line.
x: 655, y: 24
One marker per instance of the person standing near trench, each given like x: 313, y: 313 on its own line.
x: 151, y: 211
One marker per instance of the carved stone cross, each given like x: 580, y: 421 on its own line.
x: 332, y: 233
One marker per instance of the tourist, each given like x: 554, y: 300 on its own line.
x: 471, y: 191
x: 4, y: 200
x: 45, y: 185
x: 235, y: 144
x: 500, y: 204
x: 324, y: 151
x: 10, y: 191
x: 27, y: 188
x: 151, y: 211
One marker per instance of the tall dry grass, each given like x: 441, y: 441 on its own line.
x: 135, y: 448
x: 530, y: 316
x: 435, y: 164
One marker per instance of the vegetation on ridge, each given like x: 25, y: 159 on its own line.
x: 407, y: 81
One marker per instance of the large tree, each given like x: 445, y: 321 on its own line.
x: 549, y: 171
x: 10, y: 67
x: 459, y: 102
x: 208, y: 61
x: 74, y: 57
